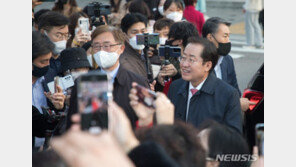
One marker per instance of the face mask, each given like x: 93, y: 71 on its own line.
x: 133, y: 43
x: 39, y: 72
x: 59, y: 46
x: 162, y: 41
x: 106, y: 59
x: 89, y: 58
x: 176, y: 16
x: 223, y: 48
x: 160, y: 9
x: 75, y: 74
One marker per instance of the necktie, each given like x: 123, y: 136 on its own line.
x: 193, y: 91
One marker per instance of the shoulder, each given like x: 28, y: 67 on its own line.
x: 177, y: 82
x: 132, y: 77
x: 224, y: 88
x: 228, y: 58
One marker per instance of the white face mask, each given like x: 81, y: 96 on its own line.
x: 162, y: 41
x: 59, y: 46
x: 133, y: 43
x: 106, y: 59
x: 176, y: 16
x: 160, y: 9
x: 90, y: 60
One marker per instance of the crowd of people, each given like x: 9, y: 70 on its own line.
x: 197, y: 112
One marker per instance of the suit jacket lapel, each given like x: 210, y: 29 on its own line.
x: 223, y: 67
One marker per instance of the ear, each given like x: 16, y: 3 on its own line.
x: 210, y: 37
x: 122, y: 47
x: 208, y: 66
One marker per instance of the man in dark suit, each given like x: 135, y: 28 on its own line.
x: 199, y: 95
x: 217, y: 31
x: 108, y: 45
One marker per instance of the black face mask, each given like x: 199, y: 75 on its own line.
x: 39, y: 72
x: 223, y: 48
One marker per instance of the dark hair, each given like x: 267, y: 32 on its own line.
x: 59, y: 5
x: 132, y: 18
x: 189, y: 2
x: 225, y: 140
x: 162, y: 23
x: 73, y: 23
x: 41, y: 45
x: 115, y: 7
x: 116, y: 32
x: 182, y: 30
x: 139, y: 6
x: 38, y: 14
x: 179, y: 140
x: 47, y: 159
x: 168, y: 3
x: 212, y: 24
x: 209, y: 52
x: 52, y: 19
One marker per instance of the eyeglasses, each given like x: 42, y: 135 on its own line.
x: 106, y: 47
x: 61, y: 36
x: 189, y: 60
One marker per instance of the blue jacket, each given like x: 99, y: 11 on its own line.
x: 228, y: 72
x: 216, y: 100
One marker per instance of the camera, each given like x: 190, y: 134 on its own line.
x: 147, y: 39
x: 95, y: 10
x: 169, y: 51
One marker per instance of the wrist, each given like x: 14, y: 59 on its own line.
x: 131, y: 144
x: 145, y: 122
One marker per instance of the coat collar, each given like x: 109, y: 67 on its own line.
x: 121, y: 76
x: 131, y: 51
x: 208, y: 86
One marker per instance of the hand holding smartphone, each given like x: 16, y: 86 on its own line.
x: 145, y: 96
x: 92, y: 100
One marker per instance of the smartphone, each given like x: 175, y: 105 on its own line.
x: 146, y: 96
x: 151, y: 39
x: 169, y: 51
x: 92, y: 100
x: 259, y: 129
x: 56, y: 83
x: 84, y: 25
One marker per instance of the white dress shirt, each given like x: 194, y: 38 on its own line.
x: 218, y: 68
x: 190, y: 94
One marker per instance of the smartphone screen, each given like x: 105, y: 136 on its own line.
x: 93, y: 101
x: 84, y: 25
x: 146, y: 96
x: 260, y: 138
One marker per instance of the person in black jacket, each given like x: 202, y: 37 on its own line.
x: 42, y: 49
x: 108, y: 44
x: 199, y: 95
x: 217, y: 31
